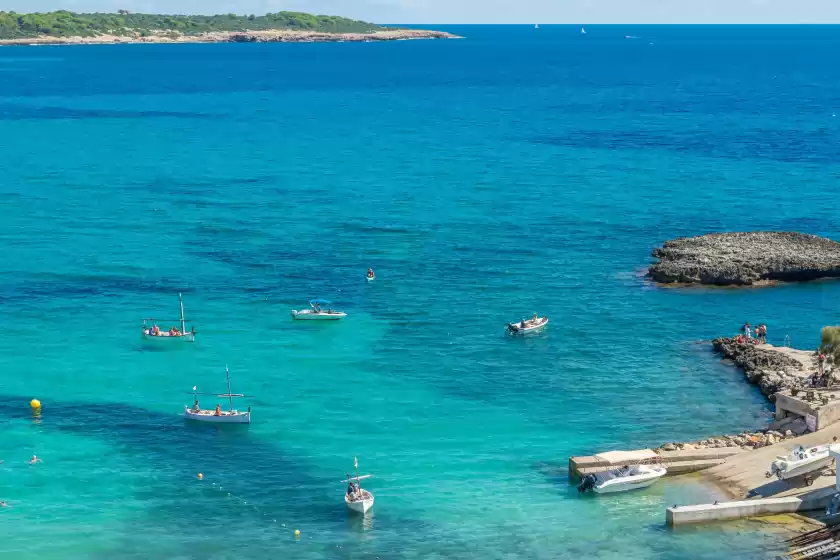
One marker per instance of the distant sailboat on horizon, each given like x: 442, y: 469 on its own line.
x: 536, y: 26
x: 582, y: 31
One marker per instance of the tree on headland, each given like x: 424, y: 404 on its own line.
x: 68, y: 24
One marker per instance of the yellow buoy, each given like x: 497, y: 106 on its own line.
x: 297, y: 532
x: 200, y: 476
x: 35, y: 403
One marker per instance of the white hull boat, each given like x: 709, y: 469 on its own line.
x: 312, y: 315
x: 622, y: 479
x: 154, y: 334
x: 356, y: 498
x: 166, y: 337
x: 316, y: 312
x: 224, y: 417
x: 218, y: 416
x: 800, y: 461
x: 360, y: 505
x: 532, y: 325
x: 371, y: 278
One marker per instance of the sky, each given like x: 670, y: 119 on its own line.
x: 481, y: 11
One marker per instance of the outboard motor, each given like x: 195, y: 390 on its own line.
x: 588, y: 483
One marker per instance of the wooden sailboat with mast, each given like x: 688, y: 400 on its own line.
x: 218, y: 416
x: 357, y: 499
x: 151, y: 331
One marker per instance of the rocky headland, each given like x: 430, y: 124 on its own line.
x: 746, y: 258
x: 264, y: 36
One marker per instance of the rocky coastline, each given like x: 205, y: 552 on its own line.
x: 267, y: 36
x: 773, y: 369
x: 745, y: 259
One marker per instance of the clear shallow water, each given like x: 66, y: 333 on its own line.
x: 485, y: 179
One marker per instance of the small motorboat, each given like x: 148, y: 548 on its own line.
x: 316, y: 312
x: 622, y: 479
x: 525, y: 326
x: 218, y: 416
x: 370, y: 275
x: 154, y: 333
x: 356, y: 498
x: 800, y: 461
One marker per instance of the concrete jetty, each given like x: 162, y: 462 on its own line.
x: 743, y: 476
x: 677, y: 462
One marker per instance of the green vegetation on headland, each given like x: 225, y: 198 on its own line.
x: 69, y: 24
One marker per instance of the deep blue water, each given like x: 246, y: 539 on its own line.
x: 517, y: 170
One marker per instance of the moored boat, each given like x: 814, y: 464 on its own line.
x: 356, y: 498
x: 799, y: 461
x: 525, y: 326
x: 317, y: 312
x: 622, y: 479
x: 370, y: 275
x: 218, y: 416
x: 154, y: 333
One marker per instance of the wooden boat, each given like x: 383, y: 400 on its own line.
x: 642, y: 474
x: 218, y: 416
x: 356, y: 498
x: 531, y: 325
x: 153, y: 332
x: 800, y: 461
x: 317, y: 313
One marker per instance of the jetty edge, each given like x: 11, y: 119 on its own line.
x: 745, y: 259
x: 68, y: 28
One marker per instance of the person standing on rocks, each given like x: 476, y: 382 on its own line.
x: 821, y: 362
x: 747, y: 331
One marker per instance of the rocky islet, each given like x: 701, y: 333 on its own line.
x: 745, y: 258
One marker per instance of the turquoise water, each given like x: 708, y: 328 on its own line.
x: 483, y: 180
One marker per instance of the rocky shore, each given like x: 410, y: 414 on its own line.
x: 771, y: 368
x: 268, y: 36
x: 746, y: 258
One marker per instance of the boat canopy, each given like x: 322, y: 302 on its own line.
x: 320, y: 302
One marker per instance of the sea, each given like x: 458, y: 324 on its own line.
x: 515, y: 171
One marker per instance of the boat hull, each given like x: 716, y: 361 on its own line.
x: 371, y: 278
x: 166, y: 339
x: 359, y: 506
x: 642, y: 477
x: 817, y: 458
x: 309, y: 315
x: 225, y: 418
x: 517, y: 329
x: 626, y: 486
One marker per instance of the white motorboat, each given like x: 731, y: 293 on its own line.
x: 317, y: 312
x: 154, y: 333
x: 218, y: 416
x: 800, y: 461
x: 622, y: 479
x: 356, y: 498
x: 533, y: 324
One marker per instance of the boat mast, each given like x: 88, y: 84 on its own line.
x: 183, y: 327
x: 356, y: 464
x: 230, y: 396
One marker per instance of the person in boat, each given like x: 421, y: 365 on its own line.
x: 370, y: 273
x: 35, y: 460
x: 218, y: 410
x: 196, y: 408
x: 534, y: 319
x: 155, y: 331
x: 522, y: 324
x: 351, y: 489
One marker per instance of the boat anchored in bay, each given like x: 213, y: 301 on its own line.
x: 357, y: 499
x: 154, y: 333
x: 530, y: 325
x: 317, y: 313
x: 218, y: 416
